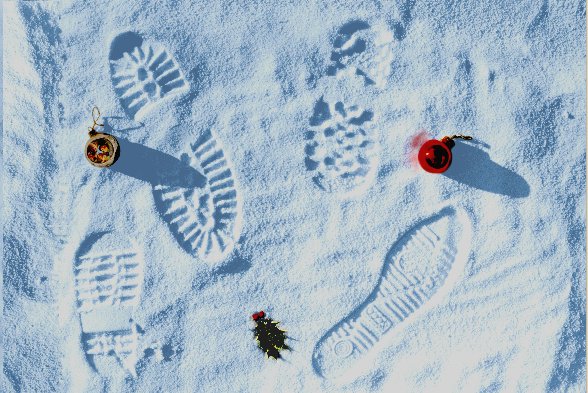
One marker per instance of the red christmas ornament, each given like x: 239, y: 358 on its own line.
x: 435, y: 156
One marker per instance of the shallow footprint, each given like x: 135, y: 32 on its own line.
x: 363, y: 50
x: 418, y: 271
x: 143, y: 73
x: 339, y: 148
x: 108, y: 276
x: 205, y: 221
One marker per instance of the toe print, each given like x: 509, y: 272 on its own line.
x: 143, y: 75
x: 363, y: 50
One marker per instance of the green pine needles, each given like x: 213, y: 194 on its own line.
x: 270, y: 338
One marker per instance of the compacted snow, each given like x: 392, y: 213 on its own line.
x: 268, y: 163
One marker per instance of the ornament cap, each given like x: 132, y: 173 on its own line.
x: 448, y: 141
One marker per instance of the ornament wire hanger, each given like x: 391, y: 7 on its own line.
x: 95, y: 117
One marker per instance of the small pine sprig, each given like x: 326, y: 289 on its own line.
x: 270, y: 338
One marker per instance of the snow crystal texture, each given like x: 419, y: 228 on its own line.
x: 268, y: 163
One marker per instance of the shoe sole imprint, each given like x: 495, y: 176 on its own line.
x: 362, y: 50
x: 108, y: 285
x: 205, y: 221
x: 122, y: 344
x: 339, y: 148
x: 145, y: 76
x: 420, y: 268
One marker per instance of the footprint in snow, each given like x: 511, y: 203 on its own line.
x: 363, y: 50
x: 206, y: 221
x: 340, y: 148
x: 108, y: 282
x: 418, y: 271
x: 143, y: 73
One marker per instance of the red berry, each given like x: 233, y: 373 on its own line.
x: 261, y: 314
x: 255, y: 316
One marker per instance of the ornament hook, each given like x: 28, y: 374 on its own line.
x: 459, y: 136
x: 95, y: 117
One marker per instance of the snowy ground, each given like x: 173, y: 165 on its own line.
x: 267, y: 163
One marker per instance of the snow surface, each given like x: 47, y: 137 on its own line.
x: 267, y: 163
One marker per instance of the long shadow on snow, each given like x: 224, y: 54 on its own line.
x: 473, y: 167
x: 155, y: 167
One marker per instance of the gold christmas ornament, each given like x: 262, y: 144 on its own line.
x: 102, y: 150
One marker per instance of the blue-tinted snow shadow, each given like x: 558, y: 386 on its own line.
x: 147, y: 164
x: 399, y: 27
x: 235, y: 265
x: 570, y: 359
x: 473, y: 167
x: 155, y: 167
x: 124, y: 42
x: 17, y: 265
x: 12, y: 376
x: 88, y: 242
x: 539, y: 21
